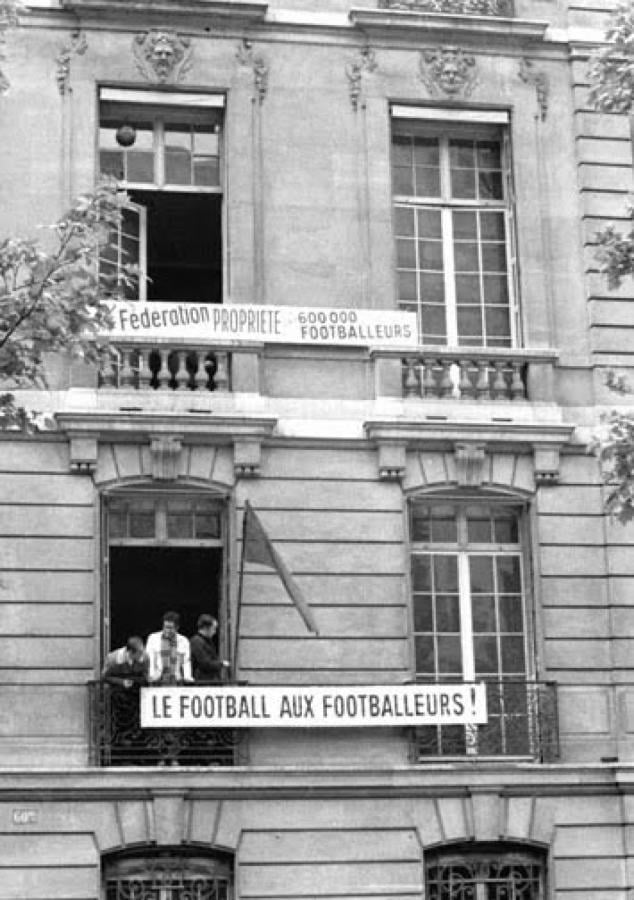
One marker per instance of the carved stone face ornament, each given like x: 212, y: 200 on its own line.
x: 449, y: 69
x: 162, y: 55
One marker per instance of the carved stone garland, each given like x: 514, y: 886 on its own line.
x: 162, y: 56
x: 364, y: 62
x: 448, y: 70
x: 247, y: 56
x: 76, y: 46
x: 531, y: 75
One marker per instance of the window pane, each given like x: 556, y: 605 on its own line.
x: 427, y: 182
x: 469, y: 321
x: 495, y: 289
x: 494, y: 257
x: 508, y: 568
x: 489, y: 154
x: 490, y: 185
x: 117, y: 525
x: 429, y: 223
x: 463, y: 184
x: 447, y: 613
x: 444, y: 524
x: 465, y: 225
x: 206, y: 171
x: 140, y: 167
x: 466, y: 257
x: 513, y: 661
x: 403, y: 181
x: 404, y: 221
x: 406, y: 254
x: 461, y: 154
x: 481, y: 572
x: 421, y: 525
x: 506, y: 528
x: 498, y: 322
x: 180, y: 526
x: 430, y: 254
x: 478, y: 526
x: 207, y: 525
x: 426, y: 151
x: 111, y: 163
x: 483, y: 611
x: 434, y: 323
x: 449, y: 655
x: 142, y: 524
x: 423, y: 617
x: 424, y: 647
x: 486, y: 655
x: 178, y: 156
x: 407, y: 286
x: 432, y: 288
x: 511, y: 618
x: 492, y: 226
x: 468, y: 289
x: 446, y: 574
x: 421, y: 573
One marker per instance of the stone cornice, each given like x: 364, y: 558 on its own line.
x: 418, y: 434
x: 390, y: 23
x: 201, y: 428
x: 243, y: 11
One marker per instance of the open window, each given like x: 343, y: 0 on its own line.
x: 453, y: 225
x: 165, y: 150
x: 164, y: 551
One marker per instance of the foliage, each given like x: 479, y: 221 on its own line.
x: 612, y: 91
x: 52, y: 298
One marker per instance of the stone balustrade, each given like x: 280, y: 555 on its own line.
x: 477, y: 374
x: 141, y: 367
x: 500, y: 8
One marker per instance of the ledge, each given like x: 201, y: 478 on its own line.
x: 414, y: 25
x: 442, y: 434
x: 242, y: 10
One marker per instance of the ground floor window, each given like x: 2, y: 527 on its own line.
x: 168, y: 875
x: 493, y: 874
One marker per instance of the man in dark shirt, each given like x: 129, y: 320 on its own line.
x: 207, y: 665
x: 127, y: 667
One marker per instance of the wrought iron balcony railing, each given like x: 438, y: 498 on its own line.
x: 141, y: 367
x: 117, y: 739
x: 501, y: 8
x: 522, y: 722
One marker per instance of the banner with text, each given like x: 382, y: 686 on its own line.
x: 204, y: 322
x: 210, y: 706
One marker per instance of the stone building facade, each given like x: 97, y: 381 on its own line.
x: 436, y: 502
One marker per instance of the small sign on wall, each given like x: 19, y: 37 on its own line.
x: 25, y: 816
x: 312, y: 707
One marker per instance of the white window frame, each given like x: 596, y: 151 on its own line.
x: 445, y: 124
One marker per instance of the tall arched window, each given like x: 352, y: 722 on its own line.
x: 491, y: 872
x: 170, y: 874
x: 473, y: 622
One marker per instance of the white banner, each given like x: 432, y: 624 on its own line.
x: 208, y: 322
x: 209, y: 706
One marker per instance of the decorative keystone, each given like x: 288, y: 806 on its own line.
x: 546, y: 461
x: 470, y: 460
x: 392, y: 461
x: 165, y: 454
x: 246, y: 458
x: 162, y: 56
x: 448, y: 70
x: 83, y: 454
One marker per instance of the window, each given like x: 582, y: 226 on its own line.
x: 168, y: 875
x: 494, y: 873
x: 165, y: 150
x: 470, y: 619
x: 453, y: 227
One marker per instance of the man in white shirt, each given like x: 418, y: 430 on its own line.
x: 169, y: 654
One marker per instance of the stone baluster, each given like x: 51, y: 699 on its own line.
x: 429, y: 388
x: 499, y: 388
x: 108, y: 373
x: 145, y: 375
x: 126, y: 372
x: 201, y: 375
x: 410, y: 383
x: 518, y: 390
x: 465, y: 384
x: 221, y: 377
x: 482, y: 388
x: 182, y: 375
x: 446, y: 382
x: 163, y: 376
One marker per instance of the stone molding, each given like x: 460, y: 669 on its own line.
x: 162, y: 56
x: 365, y: 61
x: 167, y: 436
x: 75, y: 46
x: 498, y: 8
x: 389, y: 23
x: 243, y: 11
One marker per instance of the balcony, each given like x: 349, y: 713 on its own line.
x: 476, y: 374
x: 522, y: 723
x: 117, y: 739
